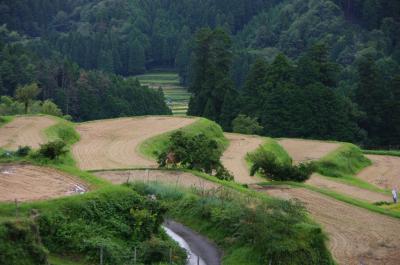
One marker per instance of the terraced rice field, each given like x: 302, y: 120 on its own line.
x: 25, y: 130
x: 176, y: 96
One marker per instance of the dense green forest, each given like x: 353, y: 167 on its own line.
x: 350, y: 92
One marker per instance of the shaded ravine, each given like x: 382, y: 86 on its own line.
x: 201, y: 250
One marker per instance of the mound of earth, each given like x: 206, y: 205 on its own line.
x: 306, y: 150
x: 111, y: 144
x: 22, y: 131
x: 357, y: 236
x: 384, y: 171
x: 164, y: 176
x: 29, y: 183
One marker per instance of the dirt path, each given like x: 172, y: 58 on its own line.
x: 112, y: 143
x: 28, y: 183
x: 234, y: 157
x: 349, y: 190
x: 24, y: 131
x: 164, y: 176
x: 356, y: 235
x: 384, y: 172
x: 198, y: 244
x: 305, y: 150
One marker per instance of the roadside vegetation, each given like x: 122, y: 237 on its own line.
x: 5, y: 119
x: 113, y: 220
x: 250, y: 231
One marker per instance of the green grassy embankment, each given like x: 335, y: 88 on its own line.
x: 152, y: 146
x: 382, y: 152
x: 176, y: 96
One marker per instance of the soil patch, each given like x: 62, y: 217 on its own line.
x: 234, y: 157
x: 306, y: 150
x: 384, y: 171
x: 28, y: 183
x: 349, y: 190
x: 22, y: 131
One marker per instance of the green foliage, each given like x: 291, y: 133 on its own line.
x: 23, y: 151
x: 196, y: 152
x: 53, y: 150
x: 26, y: 94
x: 152, y: 147
x: 4, y: 120
x: 382, y: 152
x: 115, y: 219
x: 246, y: 125
x: 346, y: 160
x: 49, y: 108
x: 8, y: 106
x: 274, y: 231
x: 20, y: 244
x: 63, y: 131
x: 267, y: 164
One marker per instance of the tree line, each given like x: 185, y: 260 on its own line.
x: 295, y: 98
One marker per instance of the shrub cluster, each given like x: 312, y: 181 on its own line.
x: 266, y: 163
x: 53, y: 150
x: 197, y: 152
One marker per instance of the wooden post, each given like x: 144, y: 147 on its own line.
x: 16, y: 208
x: 101, y: 255
x: 134, y: 256
x: 170, y: 256
x: 198, y: 260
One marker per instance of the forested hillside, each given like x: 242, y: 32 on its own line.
x: 325, y: 69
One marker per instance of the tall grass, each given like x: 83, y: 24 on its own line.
x: 151, y: 147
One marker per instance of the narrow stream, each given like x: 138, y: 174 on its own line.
x: 193, y: 259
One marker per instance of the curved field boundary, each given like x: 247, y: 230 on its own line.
x: 178, y: 178
x: 234, y: 157
x: 357, y: 236
x: 384, y: 171
x: 25, y: 131
x: 110, y: 144
x: 29, y: 183
x: 321, y: 182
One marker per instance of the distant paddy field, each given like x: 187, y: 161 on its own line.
x: 176, y: 96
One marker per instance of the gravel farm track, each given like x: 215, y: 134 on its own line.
x: 111, y: 144
x: 25, y: 130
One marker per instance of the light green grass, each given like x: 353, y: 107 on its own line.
x: 151, y: 147
x: 347, y: 160
x: 382, y: 152
x: 5, y: 119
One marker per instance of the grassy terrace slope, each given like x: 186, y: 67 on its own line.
x: 177, y: 97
